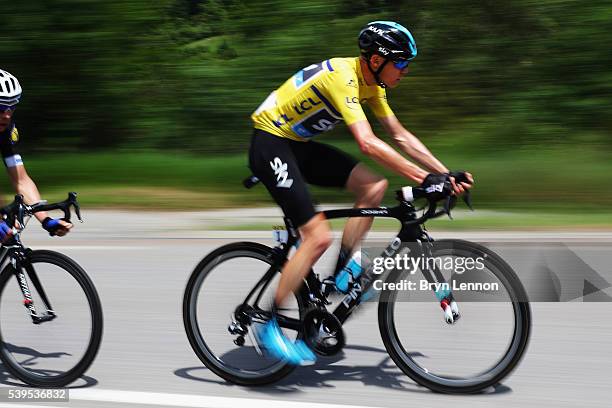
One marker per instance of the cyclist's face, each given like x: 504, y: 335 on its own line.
x: 391, y: 75
x: 5, y: 119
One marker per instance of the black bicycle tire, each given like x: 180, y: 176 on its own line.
x: 388, y: 332
x: 75, y: 270
x: 191, y: 325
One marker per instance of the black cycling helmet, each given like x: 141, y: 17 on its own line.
x: 389, y: 40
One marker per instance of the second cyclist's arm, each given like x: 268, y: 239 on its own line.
x: 384, y: 154
x: 411, y: 145
x: 24, y: 185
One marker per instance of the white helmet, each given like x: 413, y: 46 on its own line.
x: 10, y: 90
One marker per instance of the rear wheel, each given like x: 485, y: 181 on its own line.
x: 214, y: 300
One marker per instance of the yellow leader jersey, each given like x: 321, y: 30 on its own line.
x: 316, y: 98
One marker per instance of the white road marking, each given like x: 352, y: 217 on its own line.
x: 95, y: 248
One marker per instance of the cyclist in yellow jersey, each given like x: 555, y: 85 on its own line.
x: 318, y: 97
x: 285, y: 158
x: 10, y: 93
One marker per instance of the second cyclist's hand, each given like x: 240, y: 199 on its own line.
x: 56, y: 226
x: 5, y: 232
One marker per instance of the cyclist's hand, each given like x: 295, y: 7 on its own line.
x: 5, y: 232
x: 437, y: 186
x: 56, y: 226
x: 461, y: 181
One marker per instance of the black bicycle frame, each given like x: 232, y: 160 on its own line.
x: 15, y: 252
x: 410, y: 232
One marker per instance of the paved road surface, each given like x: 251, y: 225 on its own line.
x: 140, y: 269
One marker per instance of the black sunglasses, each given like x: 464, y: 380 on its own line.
x: 401, y: 64
x: 4, y: 108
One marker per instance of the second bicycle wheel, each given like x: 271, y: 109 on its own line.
x: 483, y: 346
x: 219, y: 285
x: 52, y: 353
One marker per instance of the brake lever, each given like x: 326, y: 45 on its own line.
x: 431, y: 210
x: 467, y: 199
x: 20, y: 215
x: 77, y: 211
x: 448, y: 204
x: 72, y: 200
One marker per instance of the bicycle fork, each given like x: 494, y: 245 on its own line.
x: 23, y: 270
x: 442, y: 289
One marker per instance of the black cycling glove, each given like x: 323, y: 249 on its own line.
x: 51, y: 225
x: 460, y: 176
x: 437, y: 186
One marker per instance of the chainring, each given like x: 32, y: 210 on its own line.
x: 323, y: 332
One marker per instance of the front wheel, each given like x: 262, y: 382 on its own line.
x: 478, y: 350
x: 220, y: 316
x: 52, y: 342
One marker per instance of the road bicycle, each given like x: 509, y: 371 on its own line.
x: 56, y: 342
x: 448, y: 355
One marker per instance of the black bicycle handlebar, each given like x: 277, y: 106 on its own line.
x: 17, y: 210
x: 410, y: 194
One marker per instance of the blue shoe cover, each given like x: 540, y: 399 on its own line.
x: 274, y: 341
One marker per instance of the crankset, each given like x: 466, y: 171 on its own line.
x: 323, y: 332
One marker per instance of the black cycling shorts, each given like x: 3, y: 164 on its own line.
x: 284, y: 166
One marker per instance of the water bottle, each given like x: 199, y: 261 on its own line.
x: 350, y: 273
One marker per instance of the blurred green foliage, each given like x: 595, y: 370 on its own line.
x: 161, y: 180
x: 514, y: 79
x: 188, y: 73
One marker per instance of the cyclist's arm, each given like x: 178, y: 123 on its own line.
x: 24, y: 185
x: 411, y: 145
x: 344, y: 94
x: 384, y: 154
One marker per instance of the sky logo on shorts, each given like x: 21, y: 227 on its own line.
x: 280, y: 170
